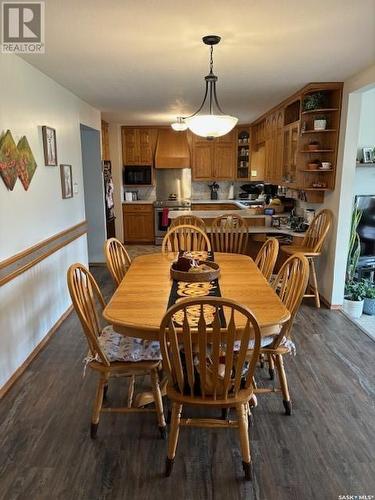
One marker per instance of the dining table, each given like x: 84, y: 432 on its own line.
x: 141, y: 300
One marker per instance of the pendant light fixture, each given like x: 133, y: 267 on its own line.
x: 179, y: 125
x: 209, y: 120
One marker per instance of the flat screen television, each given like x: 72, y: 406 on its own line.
x: 366, y: 227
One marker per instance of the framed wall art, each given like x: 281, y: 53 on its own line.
x: 367, y: 155
x: 66, y: 181
x: 49, y: 146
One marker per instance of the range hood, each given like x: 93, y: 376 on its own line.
x: 172, y: 150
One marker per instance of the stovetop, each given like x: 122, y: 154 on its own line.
x: 172, y: 203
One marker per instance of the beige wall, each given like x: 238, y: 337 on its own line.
x: 32, y: 303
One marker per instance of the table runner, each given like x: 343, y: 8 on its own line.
x: 180, y: 290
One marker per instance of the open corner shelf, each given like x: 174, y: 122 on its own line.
x: 320, y: 110
x: 319, y: 131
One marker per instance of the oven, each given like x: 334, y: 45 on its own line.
x: 160, y: 228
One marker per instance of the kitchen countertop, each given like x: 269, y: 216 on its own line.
x: 224, y: 202
x: 139, y: 202
x: 212, y: 214
x: 244, y: 213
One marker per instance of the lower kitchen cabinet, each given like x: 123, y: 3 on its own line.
x: 138, y: 222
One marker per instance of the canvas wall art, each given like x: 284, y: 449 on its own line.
x: 26, y: 165
x: 66, y: 181
x: 9, y: 156
x: 50, y: 146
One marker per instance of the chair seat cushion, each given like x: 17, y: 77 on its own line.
x: 267, y: 341
x: 118, y: 347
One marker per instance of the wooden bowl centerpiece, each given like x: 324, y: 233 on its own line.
x: 194, y: 271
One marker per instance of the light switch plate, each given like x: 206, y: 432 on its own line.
x: 254, y: 173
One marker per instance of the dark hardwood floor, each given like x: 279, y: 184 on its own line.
x: 325, y: 449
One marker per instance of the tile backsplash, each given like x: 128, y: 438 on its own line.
x: 201, y: 191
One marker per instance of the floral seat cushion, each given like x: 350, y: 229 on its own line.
x: 130, y: 349
x: 267, y: 341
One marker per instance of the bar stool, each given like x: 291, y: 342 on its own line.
x: 311, y: 248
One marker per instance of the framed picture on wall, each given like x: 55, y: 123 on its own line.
x: 367, y: 155
x: 66, y: 181
x: 49, y: 146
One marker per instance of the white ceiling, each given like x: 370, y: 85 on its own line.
x: 143, y: 62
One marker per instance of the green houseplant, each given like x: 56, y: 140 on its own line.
x: 369, y: 303
x: 355, y: 292
x: 354, y: 246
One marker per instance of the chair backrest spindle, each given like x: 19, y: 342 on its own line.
x: 185, y: 238
x: 267, y: 256
x: 117, y: 258
x: 229, y: 234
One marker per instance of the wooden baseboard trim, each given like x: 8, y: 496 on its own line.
x: 42, y: 344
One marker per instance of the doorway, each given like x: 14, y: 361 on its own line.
x: 93, y: 185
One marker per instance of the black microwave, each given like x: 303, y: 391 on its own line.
x: 137, y: 175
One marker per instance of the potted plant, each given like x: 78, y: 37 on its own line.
x: 314, y: 101
x: 315, y: 165
x: 354, y: 298
x: 313, y: 146
x: 369, y: 303
x: 320, y: 123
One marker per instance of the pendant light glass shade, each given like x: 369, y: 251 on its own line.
x: 211, y: 125
x: 179, y: 125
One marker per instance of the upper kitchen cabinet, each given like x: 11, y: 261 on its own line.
x: 202, y: 165
x: 138, y: 145
x: 300, y: 141
x: 214, y: 159
x: 172, y: 150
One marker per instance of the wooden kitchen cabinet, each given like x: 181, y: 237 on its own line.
x: 203, y: 154
x: 290, y: 149
x: 214, y: 159
x: 224, y: 161
x: 138, y: 145
x: 138, y: 220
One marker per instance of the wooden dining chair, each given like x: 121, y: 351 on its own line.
x: 111, y: 354
x: 185, y: 237
x: 190, y: 220
x: 311, y: 248
x: 203, y: 368
x: 290, y: 284
x: 267, y: 256
x: 117, y: 258
x: 229, y: 233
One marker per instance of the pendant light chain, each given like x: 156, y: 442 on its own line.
x: 211, y: 59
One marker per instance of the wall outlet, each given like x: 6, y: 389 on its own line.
x: 254, y: 173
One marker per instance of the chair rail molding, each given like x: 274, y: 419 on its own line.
x: 19, y: 263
